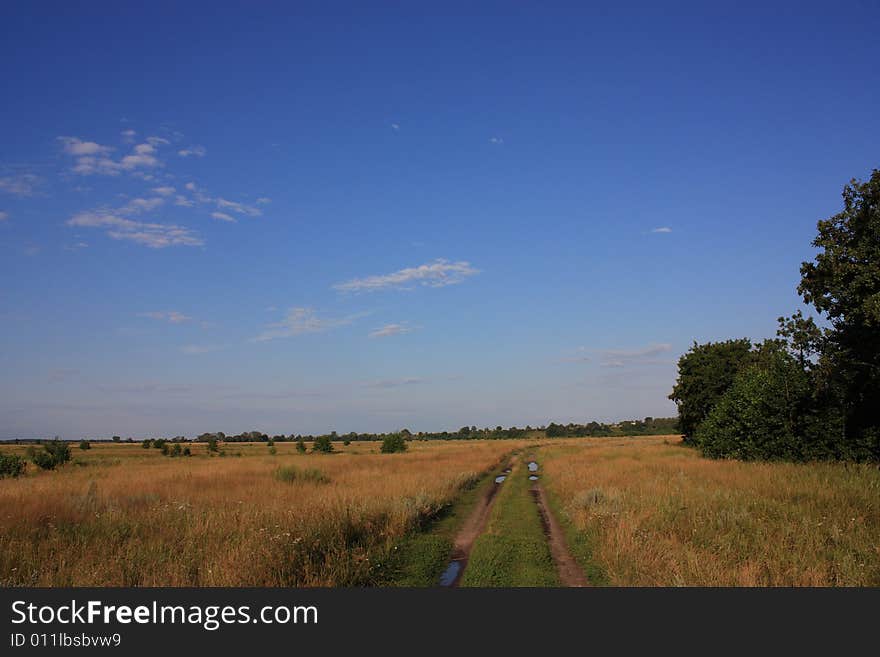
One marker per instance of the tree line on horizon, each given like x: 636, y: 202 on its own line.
x: 810, y: 393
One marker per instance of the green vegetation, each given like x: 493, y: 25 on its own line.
x: 11, y: 465
x: 393, y: 443
x: 290, y: 474
x: 513, y: 550
x: 322, y: 445
x: 812, y: 393
x: 53, y: 454
x: 301, y: 445
x: 85, y: 444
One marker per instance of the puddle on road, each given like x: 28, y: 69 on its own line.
x: 451, y: 573
x: 533, y: 477
x: 533, y: 466
x: 500, y: 478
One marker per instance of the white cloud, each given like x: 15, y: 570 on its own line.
x: 77, y: 147
x: 434, y: 274
x: 662, y: 229
x: 171, y: 316
x: 184, y: 202
x: 153, y: 235
x: 263, y: 200
x: 138, y: 205
x: 395, y: 126
x: 240, y: 208
x: 128, y: 136
x: 22, y: 184
x: 496, y: 140
x: 222, y: 216
x: 192, y: 151
x: 299, y: 321
x: 390, y: 329
x: 4, y: 216
x: 93, y: 158
x: 164, y: 191
x: 191, y: 186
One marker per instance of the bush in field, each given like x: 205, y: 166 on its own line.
x: 273, y: 450
x: 212, y: 445
x: 187, y: 451
x: 392, y: 443
x: 147, y: 443
x: 54, y: 453
x: 322, y: 445
x: 159, y: 443
x: 11, y: 465
x: 301, y: 445
x: 311, y: 475
x: 85, y: 444
x: 346, y: 442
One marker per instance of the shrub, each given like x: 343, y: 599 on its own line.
x: 186, y: 451
x: 346, y: 442
x: 301, y: 445
x: 212, y: 445
x: 272, y: 450
x: 159, y: 443
x: 392, y: 443
x: 84, y: 444
x: 290, y: 474
x: 322, y: 445
x: 147, y: 443
x: 54, y: 453
x: 11, y: 465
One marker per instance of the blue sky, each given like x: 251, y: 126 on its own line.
x: 363, y: 218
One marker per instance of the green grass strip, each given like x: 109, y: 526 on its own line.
x: 513, y: 550
x: 422, y: 556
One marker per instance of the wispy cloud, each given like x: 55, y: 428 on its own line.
x: 128, y: 136
x: 164, y: 191
x: 434, y: 274
x: 193, y: 151
x: 171, y: 316
x: 263, y: 200
x: 299, y: 321
x: 222, y: 216
x: 240, y: 208
x: 662, y: 229
x: 389, y: 330
x: 394, y: 383
x: 20, y: 184
x: 75, y: 146
x: 496, y: 140
x: 618, y: 358
x: 139, y: 205
x: 395, y: 126
x: 153, y: 235
x: 198, y: 349
x: 580, y: 355
x: 4, y: 216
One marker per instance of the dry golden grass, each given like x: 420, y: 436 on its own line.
x: 656, y: 513
x: 131, y: 517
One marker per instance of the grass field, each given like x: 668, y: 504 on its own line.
x: 635, y: 511
x: 648, y: 512
x: 127, y: 516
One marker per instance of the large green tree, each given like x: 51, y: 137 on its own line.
x: 843, y: 282
x: 705, y: 373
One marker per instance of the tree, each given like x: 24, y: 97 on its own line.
x: 323, y: 444
x: 116, y: 439
x: 212, y: 445
x: 301, y: 445
x: 85, y: 444
x: 769, y: 412
x: 147, y: 443
x: 705, y: 373
x: 843, y: 282
x: 393, y: 443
